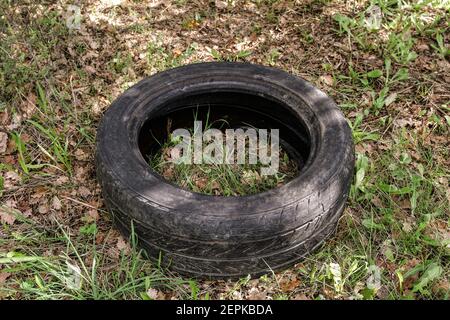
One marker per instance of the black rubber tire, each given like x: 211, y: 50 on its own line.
x: 214, y: 236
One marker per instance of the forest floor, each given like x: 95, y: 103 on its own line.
x: 385, y: 63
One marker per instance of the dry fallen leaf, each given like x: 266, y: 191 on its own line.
x: 81, y: 155
x: 56, y: 203
x: 83, y: 191
x: 27, y: 213
x: 100, y: 237
x: 152, y: 293
x: 255, y: 294
x: 300, y: 296
x: 405, y: 204
x: 168, y: 172
x: 327, y: 79
x: 28, y: 106
x: 90, y: 69
x: 81, y: 173
x: 289, y: 285
x: 4, y: 117
x: 122, y: 245
x: 43, y: 208
x: 407, y: 227
x: 61, y: 180
x: 377, y: 202
x: 201, y: 183
x: 177, y: 52
x: 93, y: 213
x: 7, y: 212
x: 423, y: 47
x: 3, y: 277
x: 220, y: 4
x: 3, y: 142
x: 11, y: 179
x: 215, y: 185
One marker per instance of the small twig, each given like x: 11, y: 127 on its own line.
x: 83, y: 203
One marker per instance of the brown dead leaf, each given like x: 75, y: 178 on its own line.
x: 99, y: 237
x: 327, y: 79
x: 8, y: 212
x: 177, y: 52
x: 27, y: 213
x: 43, y: 208
x: 122, y: 245
x: 289, y: 285
x: 16, y: 122
x: 155, y: 294
x: 152, y: 293
x: 422, y: 47
x: 383, y: 293
x: 407, y: 227
x: 61, y: 180
x: 408, y: 282
x: 215, y: 185
x: 201, y: 183
x: 3, y: 142
x: 220, y: 4
x: 81, y: 155
x: 37, y: 194
x: 84, y: 192
x: 3, y: 277
x: 377, y: 202
x: 81, y: 173
x: 443, y: 285
x: 300, y: 296
x: 93, y: 213
x: 28, y: 106
x: 6, y: 216
x: 405, y: 204
x: 168, y: 172
x: 11, y: 179
x: 255, y: 294
x: 90, y: 69
x: 4, y: 118
x: 56, y: 203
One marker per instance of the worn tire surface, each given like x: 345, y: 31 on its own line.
x: 213, y: 236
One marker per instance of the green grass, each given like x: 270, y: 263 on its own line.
x: 79, y: 268
x: 389, y: 79
x: 220, y: 178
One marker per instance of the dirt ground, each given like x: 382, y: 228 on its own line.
x: 385, y: 63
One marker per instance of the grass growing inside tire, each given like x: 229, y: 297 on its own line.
x: 222, y: 179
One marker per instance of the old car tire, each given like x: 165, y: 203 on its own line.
x: 217, y: 236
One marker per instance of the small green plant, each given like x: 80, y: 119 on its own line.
x: 272, y: 57
x: 240, y: 55
x: 121, y: 62
x: 440, y: 46
x: 345, y: 24
x: 58, y: 151
x: 354, y: 29
x: 400, y: 48
x: 382, y: 97
x: 89, y: 229
x: 360, y: 135
x: 220, y: 178
x: 160, y: 58
x: 76, y: 272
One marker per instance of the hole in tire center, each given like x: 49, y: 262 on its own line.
x: 226, y: 110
